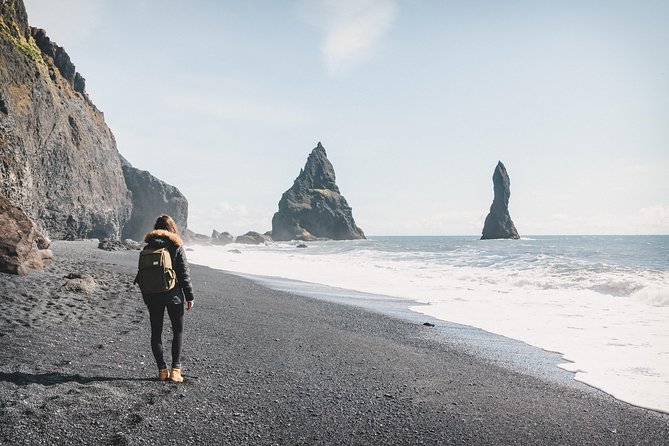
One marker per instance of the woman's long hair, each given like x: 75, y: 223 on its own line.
x: 167, y: 223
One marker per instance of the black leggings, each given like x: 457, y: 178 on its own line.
x: 156, y: 313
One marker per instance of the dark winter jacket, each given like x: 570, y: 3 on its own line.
x: 159, y: 238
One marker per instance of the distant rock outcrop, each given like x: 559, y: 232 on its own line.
x: 498, y: 223
x: 151, y: 198
x: 253, y: 238
x: 313, y: 208
x: 112, y: 245
x: 58, y: 158
x: 193, y: 237
x: 21, y: 246
x: 222, y: 238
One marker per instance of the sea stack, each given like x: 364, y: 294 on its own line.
x: 498, y: 223
x: 313, y: 208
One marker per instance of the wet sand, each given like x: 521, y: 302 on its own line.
x: 267, y: 367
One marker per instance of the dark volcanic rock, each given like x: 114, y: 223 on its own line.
x: 133, y: 244
x: 313, y: 208
x: 221, y: 238
x: 58, y: 158
x: 109, y: 244
x: 21, y: 245
x: 79, y: 283
x: 498, y: 223
x: 151, y: 198
x: 60, y: 59
x: 194, y: 237
x: 253, y: 238
x: 13, y: 14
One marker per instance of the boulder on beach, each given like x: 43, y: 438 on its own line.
x: 253, y: 238
x: 313, y: 208
x: 109, y: 244
x: 132, y: 244
x: 79, y: 283
x: 22, y: 246
x: 498, y: 223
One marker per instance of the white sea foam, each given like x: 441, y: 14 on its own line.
x: 608, y: 321
x: 655, y: 296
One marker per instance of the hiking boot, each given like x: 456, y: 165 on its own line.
x: 163, y: 374
x: 175, y: 376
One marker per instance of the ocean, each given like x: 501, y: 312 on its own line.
x: 602, y: 302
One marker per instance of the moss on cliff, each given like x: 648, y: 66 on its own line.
x: 26, y: 45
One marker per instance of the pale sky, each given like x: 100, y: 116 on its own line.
x: 415, y: 102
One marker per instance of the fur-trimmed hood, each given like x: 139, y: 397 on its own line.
x: 171, y: 236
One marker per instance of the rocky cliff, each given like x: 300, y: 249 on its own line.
x: 313, y: 207
x: 150, y: 199
x: 498, y: 223
x: 58, y: 158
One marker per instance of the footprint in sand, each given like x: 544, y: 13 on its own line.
x: 135, y: 419
x: 118, y: 439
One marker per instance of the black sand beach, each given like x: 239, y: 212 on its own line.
x: 266, y: 367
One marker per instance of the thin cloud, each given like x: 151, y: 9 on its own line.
x: 352, y: 28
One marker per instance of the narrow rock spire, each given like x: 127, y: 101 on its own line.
x: 498, y: 223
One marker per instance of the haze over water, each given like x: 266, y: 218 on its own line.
x: 600, y: 301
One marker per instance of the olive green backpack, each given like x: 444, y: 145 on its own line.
x: 155, y: 273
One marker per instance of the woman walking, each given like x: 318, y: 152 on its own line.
x: 165, y: 234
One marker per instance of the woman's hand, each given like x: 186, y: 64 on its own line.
x: 189, y: 305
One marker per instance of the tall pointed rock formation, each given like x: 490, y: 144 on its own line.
x: 498, y: 223
x: 313, y: 208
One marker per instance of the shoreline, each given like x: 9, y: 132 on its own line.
x: 502, y: 350
x: 268, y: 367
x: 602, y: 320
